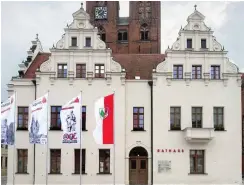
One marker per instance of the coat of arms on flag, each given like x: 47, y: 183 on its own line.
x: 103, y: 112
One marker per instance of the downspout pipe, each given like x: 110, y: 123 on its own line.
x: 34, y: 149
x: 150, y: 83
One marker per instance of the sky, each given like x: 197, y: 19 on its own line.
x: 21, y: 21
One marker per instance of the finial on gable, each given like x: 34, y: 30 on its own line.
x: 81, y: 6
x: 37, y: 37
x: 195, y: 6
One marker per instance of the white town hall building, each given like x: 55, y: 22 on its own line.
x: 181, y: 125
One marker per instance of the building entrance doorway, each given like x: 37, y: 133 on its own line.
x: 138, y: 166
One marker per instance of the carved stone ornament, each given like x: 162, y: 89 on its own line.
x: 216, y: 45
x: 115, y: 66
x: 231, y: 67
x: 46, y: 66
x: 80, y: 24
x: 162, y: 67
x: 60, y: 43
x: 100, y: 43
x: 196, y: 26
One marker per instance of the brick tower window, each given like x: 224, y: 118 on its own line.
x: 122, y: 35
x: 102, y: 33
x: 144, y: 32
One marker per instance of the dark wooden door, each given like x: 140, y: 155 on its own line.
x: 138, y: 170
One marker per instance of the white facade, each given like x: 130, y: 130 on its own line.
x: 222, y: 160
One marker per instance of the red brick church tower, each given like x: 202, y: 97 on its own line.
x: 137, y: 34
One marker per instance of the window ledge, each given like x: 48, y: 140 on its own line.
x: 104, y: 173
x: 222, y: 130
x: 22, y: 173
x: 175, y: 130
x: 55, y: 174
x: 197, y: 174
x: 79, y: 173
x: 84, y: 130
x: 138, y: 130
x: 22, y: 129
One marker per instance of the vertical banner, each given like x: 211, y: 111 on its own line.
x: 38, y: 121
x: 8, y: 121
x: 104, y: 115
x: 70, y: 116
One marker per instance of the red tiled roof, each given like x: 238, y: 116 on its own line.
x: 36, y: 63
x: 134, y: 64
x: 139, y: 64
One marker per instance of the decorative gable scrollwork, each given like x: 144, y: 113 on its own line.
x: 162, y: 67
x: 216, y: 45
x: 100, y: 43
x: 176, y: 45
x: 115, y: 66
x: 231, y: 67
x: 60, y: 44
x: 46, y: 66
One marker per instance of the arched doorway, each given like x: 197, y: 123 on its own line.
x: 138, y: 166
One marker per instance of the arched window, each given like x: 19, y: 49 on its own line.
x: 144, y: 32
x: 102, y: 33
x: 122, y: 35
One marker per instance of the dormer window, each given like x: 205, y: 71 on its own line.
x: 203, y: 43
x: 74, y: 41
x: 88, y: 42
x: 62, y: 70
x: 189, y: 43
x: 99, y: 70
x: 215, y: 72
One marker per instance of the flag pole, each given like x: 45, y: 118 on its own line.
x: 114, y: 134
x: 47, y: 140
x: 80, y: 139
x: 14, y: 147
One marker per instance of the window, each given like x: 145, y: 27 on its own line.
x: 138, y: 118
x: 1, y: 161
x: 104, y: 161
x: 55, y: 161
x: 122, y: 35
x: 196, y: 117
x: 6, y: 162
x: 88, y: 41
x: 175, y: 118
x: 74, y: 41
x: 197, y: 161
x: 83, y: 118
x: 189, y: 43
x: 102, y: 33
x: 55, y: 118
x: 77, y: 161
x: 144, y: 32
x: 215, y: 72
x: 23, y: 118
x: 80, y: 70
x: 203, y: 43
x: 99, y: 70
x: 196, y: 72
x: 219, y: 118
x: 62, y: 70
x: 22, y: 160
x: 178, y: 71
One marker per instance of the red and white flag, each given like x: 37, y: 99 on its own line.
x: 70, y: 116
x: 104, y: 115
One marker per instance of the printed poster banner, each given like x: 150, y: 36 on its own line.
x: 70, y: 116
x: 8, y: 121
x: 38, y: 121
